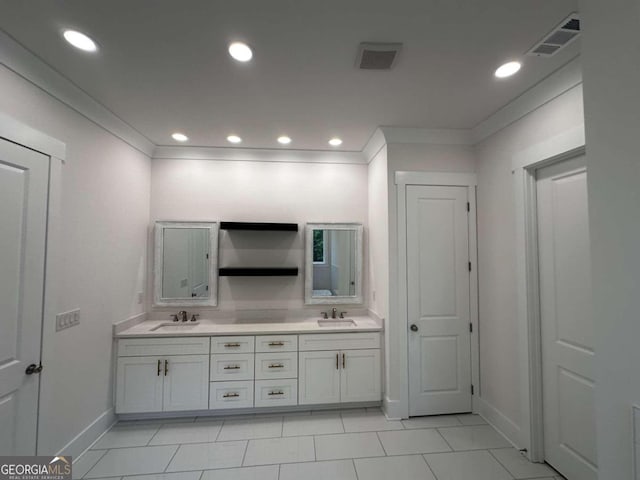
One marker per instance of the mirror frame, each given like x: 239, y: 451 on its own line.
x: 359, y: 255
x: 212, y: 300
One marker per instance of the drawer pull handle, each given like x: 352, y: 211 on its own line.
x: 279, y: 392
x: 231, y: 344
x: 276, y: 365
x: 344, y: 360
x: 276, y: 344
x: 231, y: 395
x: 232, y: 367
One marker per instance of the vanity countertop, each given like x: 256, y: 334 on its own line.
x: 206, y: 328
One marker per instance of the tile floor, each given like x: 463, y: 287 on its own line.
x: 358, y: 444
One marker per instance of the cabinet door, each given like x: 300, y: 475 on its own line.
x: 139, y: 384
x: 186, y: 382
x: 319, y: 377
x: 360, y: 375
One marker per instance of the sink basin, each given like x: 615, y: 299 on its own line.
x: 175, y: 326
x: 336, y: 322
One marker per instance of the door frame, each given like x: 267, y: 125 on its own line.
x: 21, y: 134
x: 525, y: 165
x: 399, y: 295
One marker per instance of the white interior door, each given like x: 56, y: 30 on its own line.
x: 438, y: 300
x: 23, y: 215
x: 567, y: 322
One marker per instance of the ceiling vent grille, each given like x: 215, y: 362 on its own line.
x: 561, y: 36
x: 377, y: 56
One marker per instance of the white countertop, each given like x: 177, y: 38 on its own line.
x: 206, y: 328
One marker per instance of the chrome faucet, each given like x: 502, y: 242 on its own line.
x: 183, y: 315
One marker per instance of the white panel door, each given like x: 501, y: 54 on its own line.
x: 319, y: 377
x: 567, y: 322
x: 139, y: 384
x: 24, y: 178
x: 438, y: 300
x: 186, y: 383
x: 360, y: 377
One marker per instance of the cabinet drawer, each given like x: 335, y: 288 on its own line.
x: 277, y: 343
x: 237, y: 366
x: 339, y: 341
x: 140, y: 347
x: 239, y: 344
x: 276, y: 392
x: 276, y: 365
x: 230, y: 395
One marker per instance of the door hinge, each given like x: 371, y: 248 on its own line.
x: 468, y: 206
x: 469, y: 266
x: 471, y: 327
x: 472, y: 389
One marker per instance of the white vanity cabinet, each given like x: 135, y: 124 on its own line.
x: 351, y: 374
x: 153, y: 377
x: 171, y: 374
x: 232, y: 372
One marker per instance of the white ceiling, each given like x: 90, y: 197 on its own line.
x: 163, y: 65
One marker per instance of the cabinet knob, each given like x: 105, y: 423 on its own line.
x: 414, y: 327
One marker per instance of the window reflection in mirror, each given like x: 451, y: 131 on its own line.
x: 334, y: 266
x: 334, y: 256
x: 185, y: 269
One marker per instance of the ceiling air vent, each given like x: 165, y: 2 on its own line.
x: 558, y: 38
x: 377, y: 56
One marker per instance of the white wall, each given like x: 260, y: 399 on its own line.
x: 611, y: 43
x: 378, y: 292
x: 499, y: 355
x: 409, y: 157
x: 104, y: 214
x: 203, y: 190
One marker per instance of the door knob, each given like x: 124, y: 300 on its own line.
x: 33, y: 368
x: 414, y: 327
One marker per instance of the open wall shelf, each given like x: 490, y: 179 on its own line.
x: 260, y: 226
x: 258, y: 271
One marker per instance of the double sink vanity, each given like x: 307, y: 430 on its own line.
x: 184, y: 363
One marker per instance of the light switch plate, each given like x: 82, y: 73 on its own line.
x: 67, y: 319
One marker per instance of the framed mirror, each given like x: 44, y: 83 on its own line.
x: 186, y: 264
x: 333, y: 266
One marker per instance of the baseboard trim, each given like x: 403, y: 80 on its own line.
x: 500, y: 422
x: 89, y: 435
x: 392, y: 409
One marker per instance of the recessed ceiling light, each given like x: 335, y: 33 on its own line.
x: 508, y: 69
x: 234, y: 139
x: 80, y: 40
x: 179, y: 137
x: 240, y: 51
x: 335, y: 142
x: 284, y: 140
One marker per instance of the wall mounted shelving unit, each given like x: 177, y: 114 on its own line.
x: 258, y: 271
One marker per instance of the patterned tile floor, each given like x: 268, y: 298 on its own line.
x: 358, y: 444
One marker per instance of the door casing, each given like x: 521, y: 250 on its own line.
x: 400, y: 296
x: 21, y: 134
x: 525, y: 166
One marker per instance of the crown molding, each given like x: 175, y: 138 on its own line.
x: 258, y: 155
x: 30, y: 67
x: 374, y: 145
x: 433, y: 136
x: 559, y: 82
